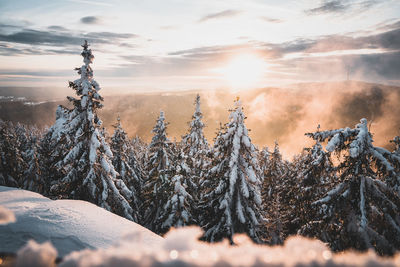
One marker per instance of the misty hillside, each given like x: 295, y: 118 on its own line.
x: 282, y: 114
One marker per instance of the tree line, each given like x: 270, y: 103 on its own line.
x: 343, y: 190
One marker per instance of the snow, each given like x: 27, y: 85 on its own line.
x: 6, y: 216
x: 70, y: 225
x: 37, y: 255
x: 182, y: 248
x: 357, y: 146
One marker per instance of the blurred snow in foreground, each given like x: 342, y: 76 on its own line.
x: 6, y: 216
x: 181, y: 248
x: 92, y: 227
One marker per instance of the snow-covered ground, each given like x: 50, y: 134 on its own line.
x: 70, y: 225
x: 73, y: 225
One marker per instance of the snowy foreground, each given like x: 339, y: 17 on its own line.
x: 100, y: 238
x: 70, y: 225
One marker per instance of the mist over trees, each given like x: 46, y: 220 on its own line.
x: 342, y: 190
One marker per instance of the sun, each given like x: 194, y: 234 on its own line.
x: 243, y: 71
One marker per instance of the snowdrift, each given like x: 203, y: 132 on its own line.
x: 99, y: 238
x: 69, y: 225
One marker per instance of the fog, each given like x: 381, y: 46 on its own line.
x: 281, y: 114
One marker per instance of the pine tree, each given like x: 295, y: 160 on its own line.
x: 127, y: 166
x: 232, y: 199
x: 21, y: 132
x: 316, y: 175
x: 52, y: 147
x: 288, y: 196
x: 264, y: 158
x: 178, y: 210
x: 195, y: 148
x: 159, y: 169
x: 140, y: 151
x: 85, y: 169
x: 33, y: 179
x: 393, y: 180
x: 274, y: 173
x: 12, y: 164
x: 361, y: 211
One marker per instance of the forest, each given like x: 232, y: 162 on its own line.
x: 342, y: 190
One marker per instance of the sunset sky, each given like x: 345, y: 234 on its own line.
x: 208, y: 44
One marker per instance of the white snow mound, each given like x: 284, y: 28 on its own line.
x: 70, y: 225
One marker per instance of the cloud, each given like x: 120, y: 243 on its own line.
x: 89, y: 2
x: 57, y: 28
x: 35, y: 37
x: 341, y: 6
x: 271, y: 20
x: 219, y: 15
x: 90, y: 20
x: 169, y: 27
x: 109, y: 35
x: 6, y: 216
x: 335, y: 6
x: 58, y: 40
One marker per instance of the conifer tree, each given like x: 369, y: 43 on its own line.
x: 393, y: 180
x: 361, y: 211
x: 33, y: 179
x: 287, y: 195
x: 21, y: 132
x: 159, y: 169
x: 12, y: 164
x: 195, y: 148
x: 194, y: 143
x: 52, y: 147
x: 232, y: 199
x: 316, y: 175
x: 264, y: 158
x: 127, y: 166
x: 140, y: 151
x: 178, y: 210
x: 85, y: 169
x: 274, y: 173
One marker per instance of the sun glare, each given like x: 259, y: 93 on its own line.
x: 243, y: 71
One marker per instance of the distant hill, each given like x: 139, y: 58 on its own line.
x: 282, y: 114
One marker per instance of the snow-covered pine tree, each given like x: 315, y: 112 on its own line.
x: 316, y: 175
x: 396, y: 142
x: 232, y: 199
x: 361, y: 212
x: 284, y: 191
x: 141, y: 151
x: 159, y: 169
x: 33, y: 179
x: 274, y: 173
x: 393, y: 180
x: 21, y: 133
x: 86, y: 171
x: 194, y: 143
x: 53, y: 145
x: 264, y: 158
x: 178, y: 210
x: 195, y: 148
x: 127, y: 166
x: 12, y: 164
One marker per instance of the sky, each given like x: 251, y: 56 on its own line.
x: 163, y: 45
